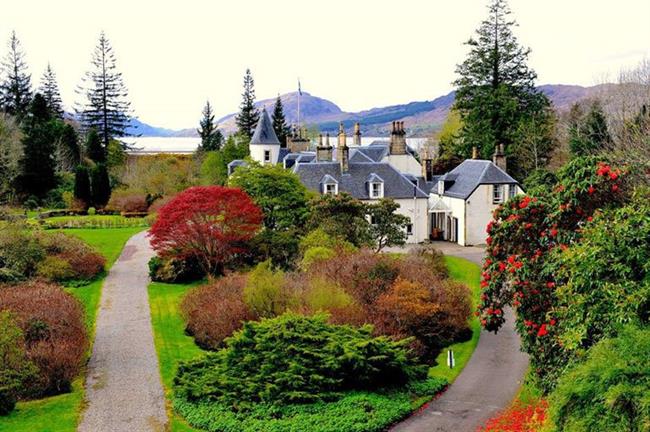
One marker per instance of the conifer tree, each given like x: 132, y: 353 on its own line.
x: 248, y: 114
x: 16, y: 87
x: 94, y: 149
x: 82, y: 185
x: 588, y: 134
x: 38, y: 164
x: 68, y: 148
x: 106, y: 108
x: 49, y: 88
x: 280, y: 123
x: 211, y: 136
x: 100, y: 185
x: 496, y: 89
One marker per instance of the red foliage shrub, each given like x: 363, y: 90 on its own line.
x: 214, y: 311
x: 209, y: 223
x: 127, y: 201
x: 519, y: 417
x: 55, y: 335
x: 84, y: 261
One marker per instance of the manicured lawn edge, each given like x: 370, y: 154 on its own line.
x: 61, y: 413
x: 173, y: 345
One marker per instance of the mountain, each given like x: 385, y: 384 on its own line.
x: 420, y: 118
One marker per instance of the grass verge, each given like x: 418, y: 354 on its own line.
x: 61, y: 413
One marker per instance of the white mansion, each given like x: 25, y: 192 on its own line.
x: 456, y: 206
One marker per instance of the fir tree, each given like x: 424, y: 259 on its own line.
x: 100, y: 185
x: 82, y: 185
x: 211, y: 137
x: 106, y: 109
x: 94, y: 149
x: 69, y: 153
x: 50, y: 90
x: 280, y: 123
x: 38, y: 164
x: 16, y: 88
x: 496, y: 89
x: 248, y: 114
x: 588, y: 134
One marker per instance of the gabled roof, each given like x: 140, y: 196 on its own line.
x: 374, y: 178
x: 466, y: 177
x: 328, y: 179
x: 373, y: 152
x: 354, y: 181
x: 264, y: 133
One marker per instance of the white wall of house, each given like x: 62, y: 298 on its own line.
x: 479, y: 208
x: 257, y: 153
x: 419, y: 220
x: 406, y: 164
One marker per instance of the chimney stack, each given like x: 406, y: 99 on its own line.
x: 474, y: 152
x: 499, y: 157
x: 342, y: 136
x: 398, y: 139
x: 356, y: 140
x: 324, y: 150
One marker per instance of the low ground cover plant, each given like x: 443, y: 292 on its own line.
x: 53, y: 334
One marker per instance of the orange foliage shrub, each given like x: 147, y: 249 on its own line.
x: 55, y: 335
x: 214, y: 311
x: 128, y: 201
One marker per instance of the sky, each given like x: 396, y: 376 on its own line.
x: 174, y: 55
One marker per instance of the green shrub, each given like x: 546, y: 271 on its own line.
x: 92, y: 211
x: 296, y: 359
x: 319, y: 238
x: 54, y: 268
x: 314, y: 254
x: 174, y: 270
x: 20, y: 253
x: 265, y: 291
x: 96, y: 221
x: 610, y: 391
x: 15, y: 367
x: 323, y: 295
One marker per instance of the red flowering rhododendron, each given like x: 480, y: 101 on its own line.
x: 526, y: 234
x: 209, y: 223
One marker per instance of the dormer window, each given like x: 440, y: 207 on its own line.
x: 375, y: 186
x: 497, y: 194
x: 331, y: 189
x: 267, y: 156
x: 329, y: 185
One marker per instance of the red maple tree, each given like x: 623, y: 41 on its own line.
x: 209, y: 223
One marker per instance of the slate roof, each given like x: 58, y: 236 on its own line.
x: 283, y: 152
x: 355, y: 182
x: 374, y: 153
x: 463, y: 180
x: 264, y: 133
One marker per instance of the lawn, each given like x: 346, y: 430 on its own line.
x: 174, y: 346
x: 61, y: 413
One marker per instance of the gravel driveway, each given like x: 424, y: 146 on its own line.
x: 123, y: 388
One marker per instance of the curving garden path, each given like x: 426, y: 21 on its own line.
x: 123, y: 388
x: 488, y: 383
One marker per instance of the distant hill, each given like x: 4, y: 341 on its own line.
x: 420, y: 118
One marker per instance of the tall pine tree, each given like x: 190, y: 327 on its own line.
x: 16, y: 87
x: 495, y: 90
x: 211, y: 136
x: 38, y: 164
x: 280, y: 123
x: 248, y: 114
x: 106, y: 108
x: 94, y: 149
x: 49, y: 88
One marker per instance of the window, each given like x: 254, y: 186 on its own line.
x: 376, y: 190
x: 497, y: 194
x: 512, y: 191
x: 267, y: 156
x: 331, y: 188
x: 409, y: 229
x: 441, y: 187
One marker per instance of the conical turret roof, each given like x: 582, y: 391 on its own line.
x: 264, y: 133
